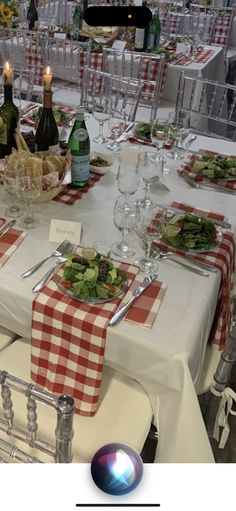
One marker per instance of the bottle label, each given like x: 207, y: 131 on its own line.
x: 3, y: 131
x: 54, y: 148
x: 139, y: 38
x: 81, y: 134
x: 80, y: 168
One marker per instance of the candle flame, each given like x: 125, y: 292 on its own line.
x: 7, y: 65
x: 48, y: 70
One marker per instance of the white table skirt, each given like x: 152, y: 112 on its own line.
x: 166, y: 359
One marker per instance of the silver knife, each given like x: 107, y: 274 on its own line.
x: 221, y: 223
x: 7, y: 227
x: 119, y: 314
x: 122, y: 137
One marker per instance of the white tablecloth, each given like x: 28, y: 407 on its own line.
x: 166, y: 359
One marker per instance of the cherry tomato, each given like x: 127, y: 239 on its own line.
x: 67, y: 284
x: 181, y: 223
x: 213, y: 235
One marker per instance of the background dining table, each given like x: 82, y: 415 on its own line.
x: 166, y: 359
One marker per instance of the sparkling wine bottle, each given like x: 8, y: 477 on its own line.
x: 79, y: 145
x: 9, y: 116
x: 47, y: 137
x: 32, y: 14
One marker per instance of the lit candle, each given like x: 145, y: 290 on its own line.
x: 7, y: 73
x: 47, y: 77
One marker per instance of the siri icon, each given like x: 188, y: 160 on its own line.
x: 116, y: 469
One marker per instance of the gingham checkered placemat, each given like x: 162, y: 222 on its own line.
x: 9, y: 243
x: 222, y: 258
x: 203, y: 56
x: 146, y: 307
x: 186, y: 170
x: 68, y: 341
x: 71, y: 195
x: 221, y: 30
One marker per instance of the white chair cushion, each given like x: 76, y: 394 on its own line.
x: 124, y: 413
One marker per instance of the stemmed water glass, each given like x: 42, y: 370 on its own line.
x: 150, y: 170
x: 127, y: 178
x: 101, y: 112
x: 126, y: 216
x: 117, y: 124
x: 179, y: 128
x: 9, y: 178
x: 28, y: 186
x: 160, y: 133
x: 151, y: 226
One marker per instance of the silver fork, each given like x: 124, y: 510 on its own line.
x: 61, y: 250
x: 211, y: 186
x: 173, y: 255
x: 42, y: 282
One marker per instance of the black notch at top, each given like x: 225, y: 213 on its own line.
x: 119, y: 16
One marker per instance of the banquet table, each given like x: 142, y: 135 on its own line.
x: 166, y: 359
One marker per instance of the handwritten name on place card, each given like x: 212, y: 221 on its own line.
x: 64, y: 230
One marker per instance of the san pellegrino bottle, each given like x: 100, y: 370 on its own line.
x: 32, y: 14
x: 9, y: 116
x: 154, y: 31
x: 47, y: 137
x: 79, y: 145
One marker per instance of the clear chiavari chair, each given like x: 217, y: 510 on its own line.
x: 222, y: 19
x: 211, y: 105
x: 68, y: 59
x: 148, y: 69
x: 193, y: 25
x: 124, y: 414
x: 122, y: 94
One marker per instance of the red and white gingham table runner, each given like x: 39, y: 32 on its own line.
x: 222, y: 258
x: 70, y: 195
x: 148, y: 71
x: 221, y: 30
x: 9, y: 243
x: 68, y: 340
x: 34, y: 60
x: 186, y: 170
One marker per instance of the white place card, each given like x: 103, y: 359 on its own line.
x: 64, y: 230
x: 119, y: 45
x: 59, y: 35
x: 182, y: 47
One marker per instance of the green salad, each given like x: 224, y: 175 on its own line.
x: 143, y: 131
x: 169, y: 55
x: 91, y: 279
x: 214, y: 167
x: 61, y: 117
x: 190, y: 232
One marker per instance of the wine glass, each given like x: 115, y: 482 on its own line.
x: 151, y: 226
x: 102, y: 113
x: 160, y: 132
x: 150, y: 170
x: 179, y: 128
x: 127, y: 178
x: 9, y: 179
x: 126, y: 216
x: 29, y: 187
x: 117, y: 124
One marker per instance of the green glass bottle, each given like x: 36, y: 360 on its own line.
x: 9, y: 116
x: 154, y: 32
x: 79, y: 146
x: 77, y: 16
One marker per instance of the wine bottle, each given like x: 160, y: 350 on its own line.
x: 79, y: 145
x: 47, y: 136
x: 141, y: 36
x: 154, y: 31
x: 32, y: 14
x: 77, y: 16
x: 9, y: 116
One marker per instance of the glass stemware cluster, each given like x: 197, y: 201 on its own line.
x: 23, y: 186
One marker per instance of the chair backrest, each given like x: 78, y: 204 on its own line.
x: 187, y: 24
x: 28, y: 433
x: 222, y: 24
x: 211, y: 105
x: 68, y: 59
x: 148, y: 68
x: 121, y: 94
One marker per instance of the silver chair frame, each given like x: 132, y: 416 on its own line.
x: 64, y: 407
